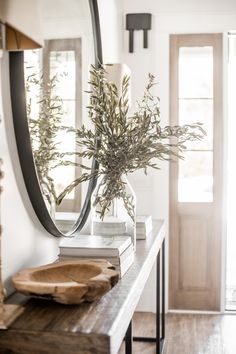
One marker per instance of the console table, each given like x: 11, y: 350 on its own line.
x: 100, y: 327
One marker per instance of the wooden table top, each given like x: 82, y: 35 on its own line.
x: 99, y: 327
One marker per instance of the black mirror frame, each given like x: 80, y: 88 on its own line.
x: 18, y: 101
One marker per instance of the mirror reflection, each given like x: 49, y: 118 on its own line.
x: 56, y: 77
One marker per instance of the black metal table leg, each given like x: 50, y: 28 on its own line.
x: 163, y: 293
x: 158, y: 292
x: 160, y: 305
x: 129, y: 339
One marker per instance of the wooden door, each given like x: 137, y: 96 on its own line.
x: 196, y: 182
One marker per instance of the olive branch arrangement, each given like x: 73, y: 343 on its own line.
x: 122, y: 144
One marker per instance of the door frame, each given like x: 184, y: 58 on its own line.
x: 223, y: 166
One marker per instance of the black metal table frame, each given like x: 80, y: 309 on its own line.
x: 160, y: 310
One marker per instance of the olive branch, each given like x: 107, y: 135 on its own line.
x: 122, y: 144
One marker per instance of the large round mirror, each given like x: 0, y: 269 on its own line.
x: 49, y: 103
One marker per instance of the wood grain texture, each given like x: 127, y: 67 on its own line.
x: 16, y: 40
x: 97, y: 327
x: 196, y: 227
x: 187, y: 334
x: 194, y: 236
x: 68, y: 282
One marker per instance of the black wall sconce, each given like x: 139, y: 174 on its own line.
x: 138, y: 22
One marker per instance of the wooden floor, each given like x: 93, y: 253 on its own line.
x: 188, y: 334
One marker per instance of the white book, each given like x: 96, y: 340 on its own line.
x: 125, y: 265
x: 143, y: 221
x: 117, y: 260
x: 142, y: 235
x: 143, y: 225
x: 87, y: 245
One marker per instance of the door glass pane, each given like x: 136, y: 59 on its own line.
x: 63, y: 175
x: 201, y: 111
x: 196, y: 72
x: 195, y: 104
x: 32, y: 70
x: 62, y: 64
x: 195, y: 182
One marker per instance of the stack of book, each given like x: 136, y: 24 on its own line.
x: 118, y: 250
x: 143, y: 226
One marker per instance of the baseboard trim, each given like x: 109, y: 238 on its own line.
x: 230, y: 312
x: 196, y: 312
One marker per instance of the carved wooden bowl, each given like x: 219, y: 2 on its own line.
x: 68, y: 282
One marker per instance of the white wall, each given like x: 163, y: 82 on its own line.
x: 25, y: 242
x: 168, y: 17
x: 110, y: 22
